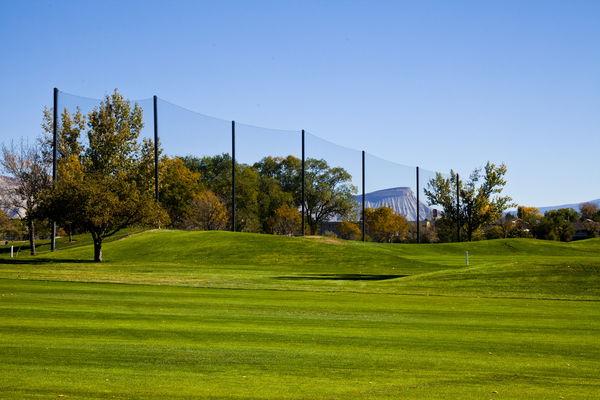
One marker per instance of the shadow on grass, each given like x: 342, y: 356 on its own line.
x: 37, y: 261
x: 341, y: 277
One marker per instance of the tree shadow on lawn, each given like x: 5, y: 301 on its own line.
x: 36, y: 260
x: 341, y: 277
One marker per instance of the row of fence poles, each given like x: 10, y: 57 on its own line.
x: 233, y: 178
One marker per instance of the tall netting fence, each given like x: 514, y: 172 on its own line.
x: 201, y: 144
x: 256, y: 174
x: 75, y: 110
x: 401, y: 189
x: 268, y: 179
x: 333, y: 179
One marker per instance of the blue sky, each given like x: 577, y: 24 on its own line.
x: 438, y: 84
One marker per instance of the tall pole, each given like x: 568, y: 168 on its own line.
x: 457, y: 207
x: 54, y: 159
x: 156, y: 148
x: 233, y: 176
x: 418, y: 211
x: 303, y: 186
x: 363, y: 195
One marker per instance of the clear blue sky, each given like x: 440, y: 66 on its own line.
x: 440, y: 84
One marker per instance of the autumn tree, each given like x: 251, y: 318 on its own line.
x: 287, y: 220
x: 178, y: 186
x: 529, y: 219
x: 480, y: 201
x: 206, y: 212
x: 108, y: 194
x: 69, y: 131
x: 349, y: 231
x: 385, y: 226
x: 9, y: 228
x: 26, y: 165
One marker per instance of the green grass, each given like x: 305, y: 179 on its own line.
x: 218, y: 315
x: 62, y: 242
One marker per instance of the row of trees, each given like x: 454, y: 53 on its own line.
x: 561, y: 224
x: 106, y: 183
x: 268, y: 193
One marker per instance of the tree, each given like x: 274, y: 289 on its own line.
x: 480, y: 200
x: 329, y: 193
x: 206, y: 212
x: 287, y: 220
x: 558, y: 225
x: 590, y: 219
x: 349, y: 231
x: 178, y: 186
x: 589, y: 211
x: 68, y: 134
x: 68, y: 148
x: 529, y: 219
x: 108, y: 193
x: 9, y: 228
x: 385, y: 226
x: 26, y: 164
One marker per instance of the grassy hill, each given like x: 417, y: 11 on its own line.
x: 220, y: 315
x: 511, y: 267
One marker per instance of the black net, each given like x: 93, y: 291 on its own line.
x: 268, y: 171
x: 333, y: 180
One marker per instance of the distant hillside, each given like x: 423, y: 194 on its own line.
x: 7, y: 184
x: 400, y: 199
x: 574, y: 206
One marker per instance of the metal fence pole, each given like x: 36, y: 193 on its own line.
x: 418, y: 211
x: 156, y: 148
x: 458, y: 207
x: 363, y: 196
x: 233, y: 176
x: 303, y: 187
x: 54, y: 159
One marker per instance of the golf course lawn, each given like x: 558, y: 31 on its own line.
x: 221, y: 315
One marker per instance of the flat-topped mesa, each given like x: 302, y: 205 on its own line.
x: 401, y: 200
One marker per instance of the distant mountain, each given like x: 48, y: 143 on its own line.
x: 401, y: 200
x: 574, y: 206
x: 7, y: 184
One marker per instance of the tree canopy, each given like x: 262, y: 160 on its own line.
x: 480, y: 202
x: 107, y: 187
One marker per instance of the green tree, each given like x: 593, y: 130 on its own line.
x: 108, y: 194
x: 558, y: 225
x: 480, y: 200
x: 329, y: 193
x: 68, y: 134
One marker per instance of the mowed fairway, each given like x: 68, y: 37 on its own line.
x: 217, y: 315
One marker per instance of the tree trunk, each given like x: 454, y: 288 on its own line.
x: 31, y: 236
x: 98, y: 249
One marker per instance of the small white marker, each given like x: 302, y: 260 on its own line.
x: 11, y: 251
x: 467, y: 258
